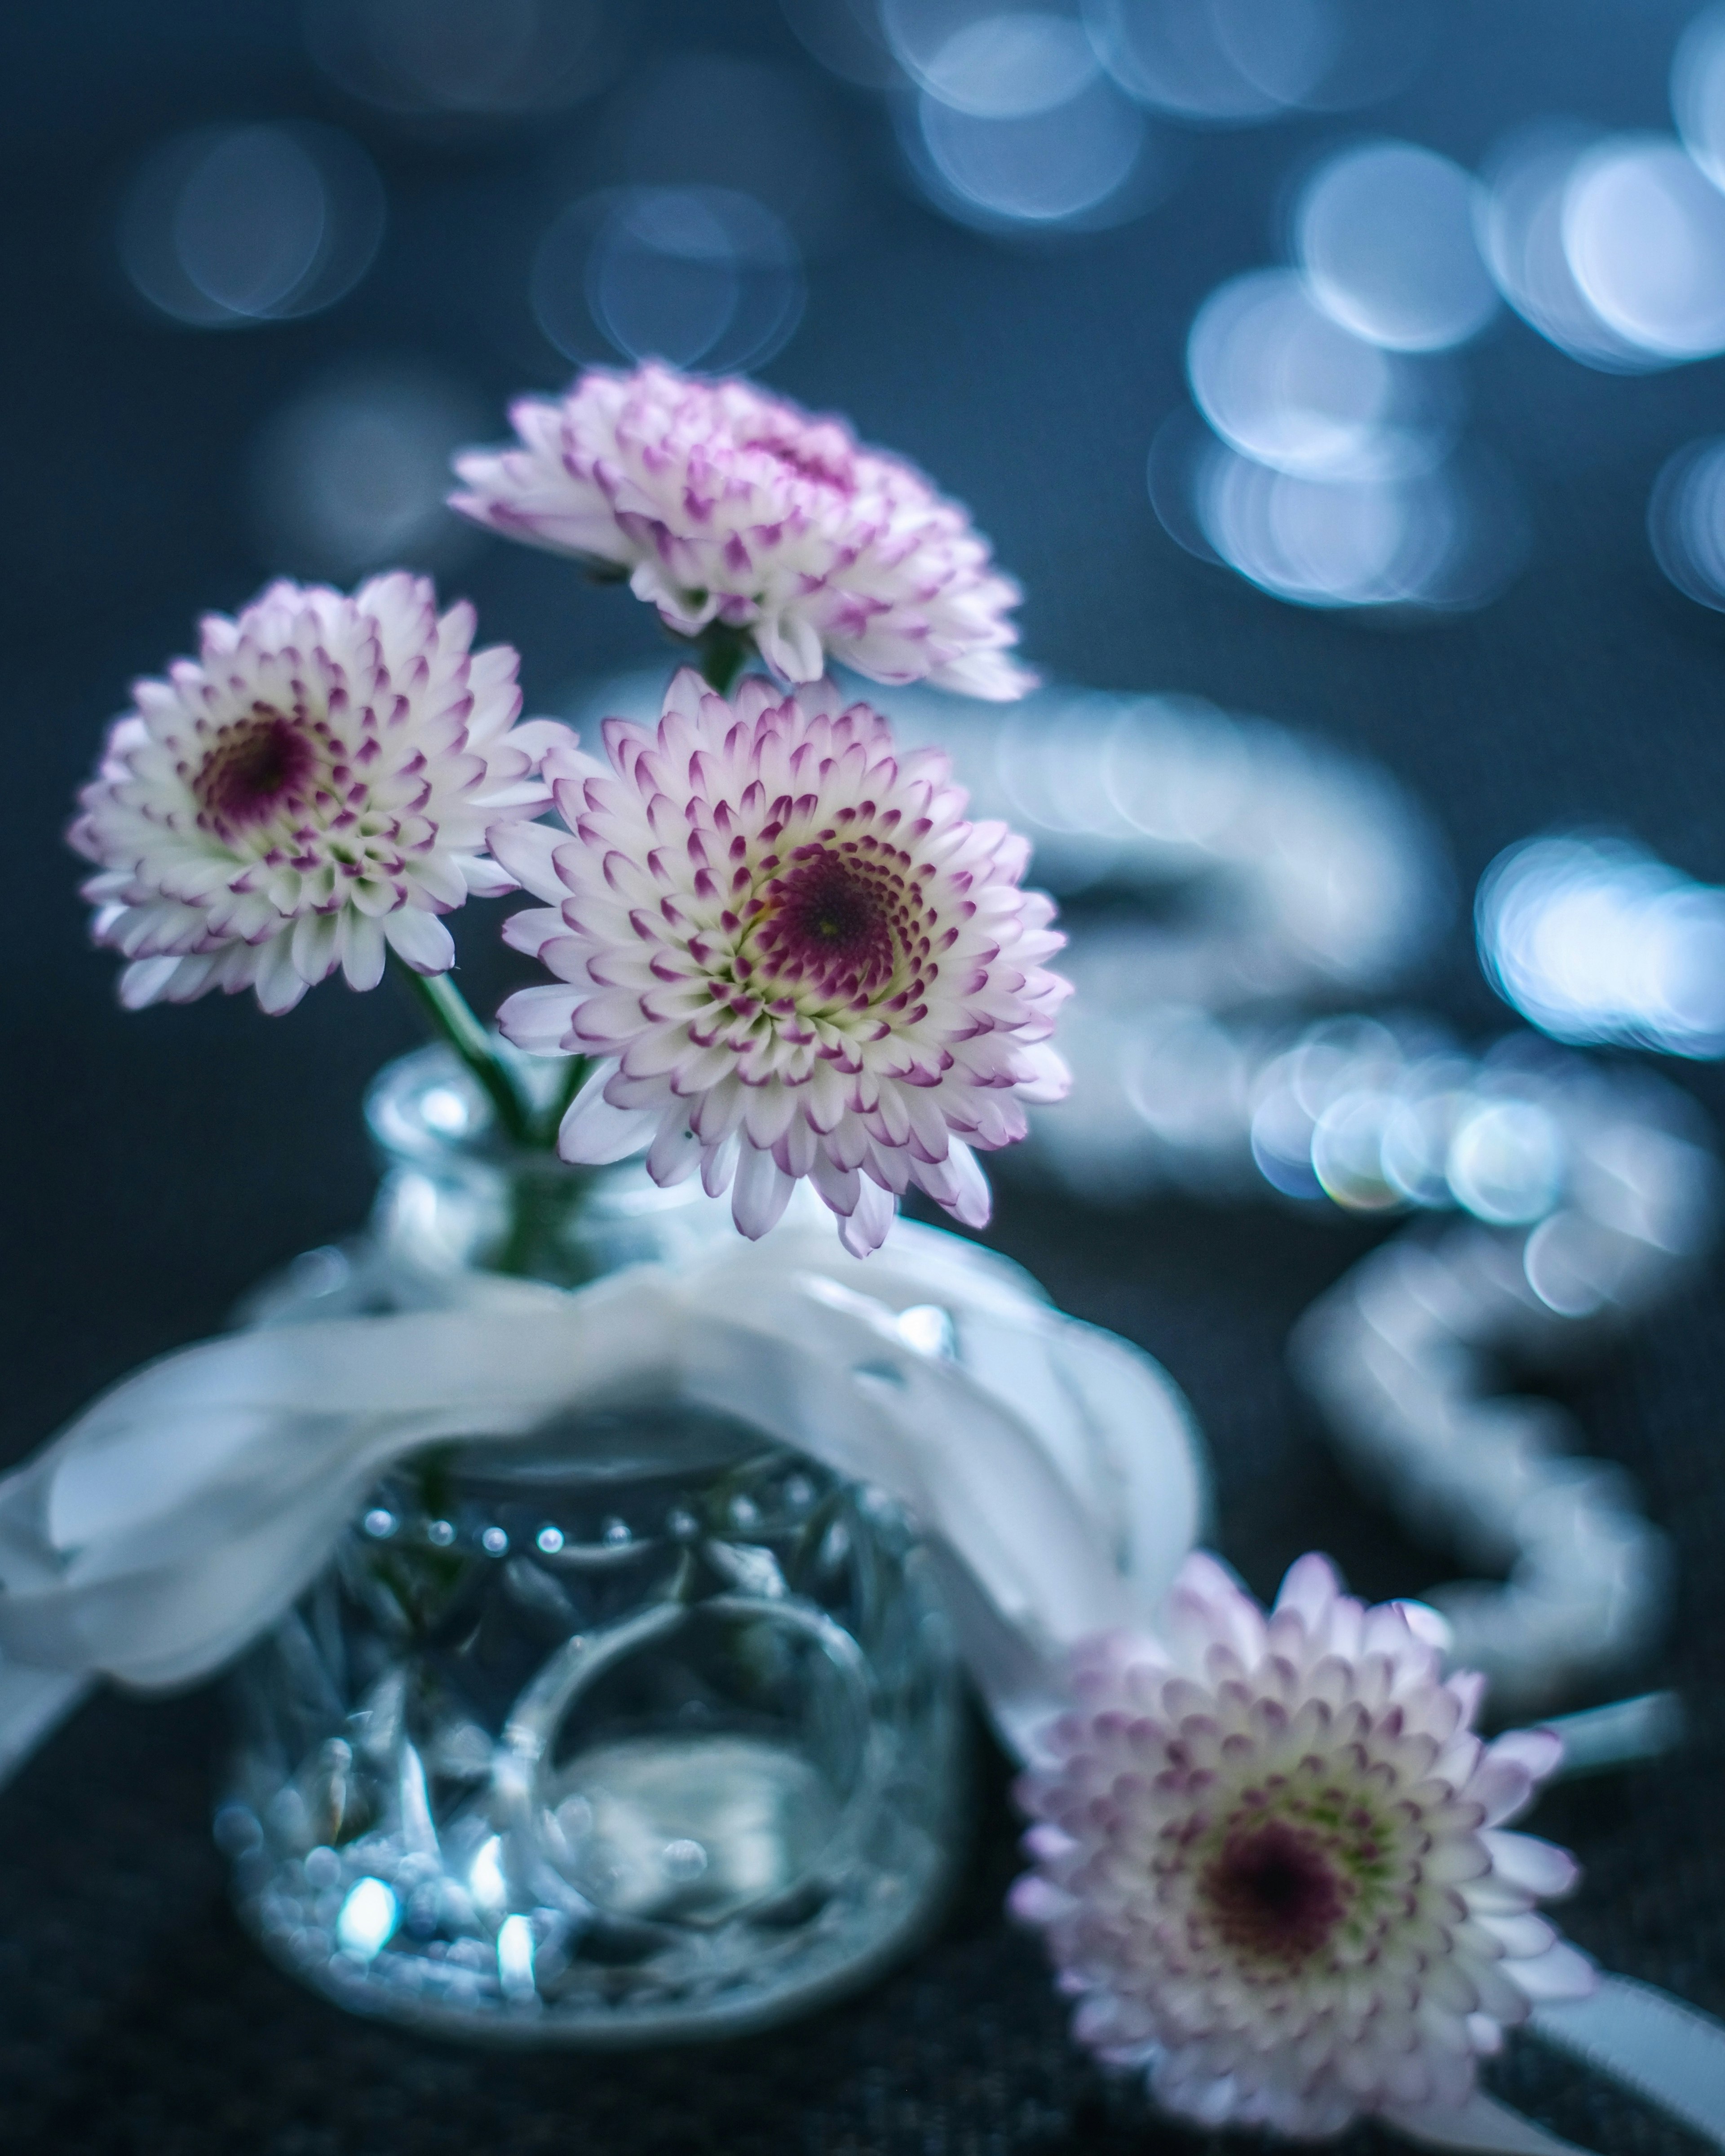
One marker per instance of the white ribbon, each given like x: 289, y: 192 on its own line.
x: 1053, y: 1468
x: 1667, y: 2051
x: 1481, y: 2123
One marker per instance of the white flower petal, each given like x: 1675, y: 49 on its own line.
x: 1246, y: 1869
x: 316, y: 779
x: 720, y: 499
x: 1535, y: 1866
x: 869, y: 1222
x: 364, y: 949
x: 146, y: 980
x: 760, y: 1191
x: 538, y: 1020
x: 749, y: 902
x: 1561, y: 1972
x: 525, y: 850
x: 421, y: 939
x: 593, y: 1134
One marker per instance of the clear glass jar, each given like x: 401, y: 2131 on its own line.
x: 646, y: 1729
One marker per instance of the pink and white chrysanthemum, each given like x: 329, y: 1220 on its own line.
x: 1272, y: 1862
x: 725, y: 504
x: 793, y: 954
x: 313, y: 789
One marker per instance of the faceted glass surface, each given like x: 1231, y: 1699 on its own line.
x: 646, y: 1727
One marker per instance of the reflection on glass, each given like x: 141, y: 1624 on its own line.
x: 1595, y: 939
x: 695, y: 275
x: 225, y: 226
x: 1384, y: 233
x: 353, y: 473
x: 644, y: 1729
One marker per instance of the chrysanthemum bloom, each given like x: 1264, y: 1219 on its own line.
x: 793, y: 954
x: 727, y: 506
x: 1272, y: 1862
x: 314, y: 787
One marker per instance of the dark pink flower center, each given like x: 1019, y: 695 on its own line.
x: 256, y: 767
x: 835, y: 923
x: 1273, y: 1892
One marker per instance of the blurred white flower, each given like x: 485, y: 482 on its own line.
x: 731, y: 507
x: 314, y: 788
x: 1271, y: 1862
x: 794, y: 954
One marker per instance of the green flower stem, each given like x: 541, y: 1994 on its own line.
x: 720, y: 653
x: 451, y: 1019
x: 552, y: 1115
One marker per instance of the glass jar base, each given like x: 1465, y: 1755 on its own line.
x: 723, y: 1931
x: 642, y: 1727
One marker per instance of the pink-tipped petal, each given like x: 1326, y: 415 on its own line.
x: 313, y: 791
x: 865, y: 1228
x: 814, y: 546
x: 1250, y: 1869
x: 760, y: 1191
x: 802, y: 959
x: 538, y: 1020
x: 593, y: 1134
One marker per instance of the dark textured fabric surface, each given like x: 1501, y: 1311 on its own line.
x: 157, y: 1164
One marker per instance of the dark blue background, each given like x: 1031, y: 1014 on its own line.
x: 157, y: 1163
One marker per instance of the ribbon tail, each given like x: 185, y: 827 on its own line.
x: 1669, y: 2053
x: 1481, y: 2123
x: 33, y: 1705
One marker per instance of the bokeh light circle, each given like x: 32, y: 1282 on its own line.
x: 1220, y: 61
x: 1319, y: 542
x: 1596, y: 940
x: 703, y: 277
x: 1385, y: 232
x: 1013, y: 125
x: 467, y: 57
x: 1507, y: 1162
x: 1048, y: 167
x: 1010, y: 65
x: 1644, y: 231
x: 1686, y: 521
x: 224, y: 226
x: 353, y: 473
x: 846, y: 38
x: 1442, y: 540
x: 1698, y: 91
x: 1235, y: 63
x: 1284, y: 383
x: 1521, y: 239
